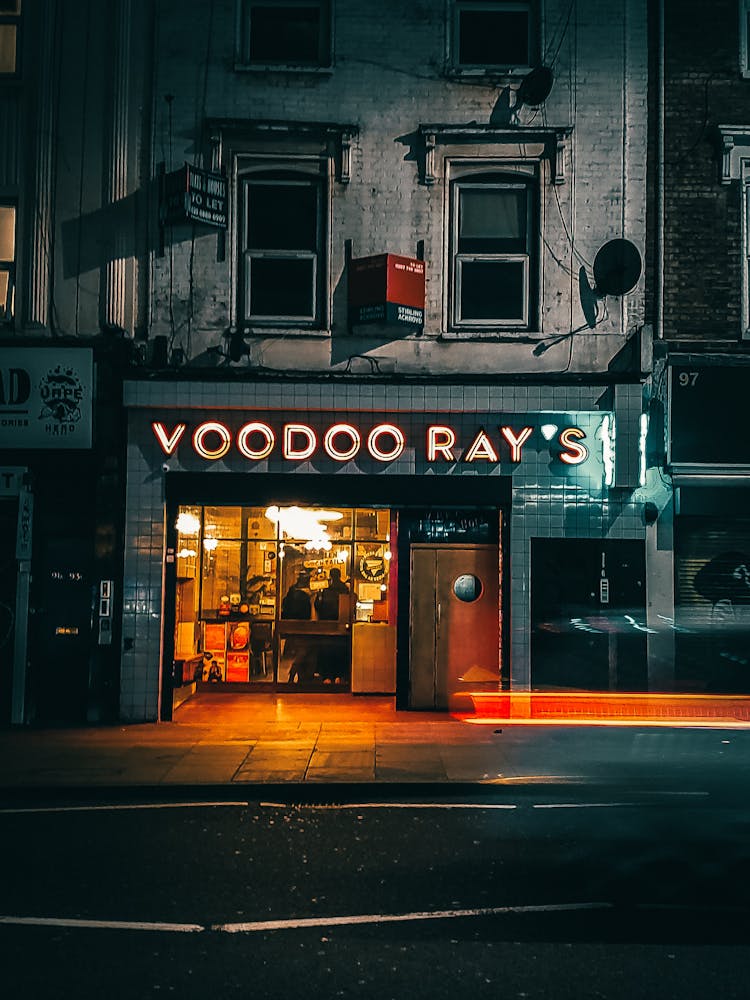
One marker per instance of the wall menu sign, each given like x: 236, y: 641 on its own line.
x: 46, y: 396
x: 193, y: 195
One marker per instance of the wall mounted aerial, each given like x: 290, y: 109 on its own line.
x: 617, y: 268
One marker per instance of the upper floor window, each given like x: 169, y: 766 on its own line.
x: 283, y: 263
x: 293, y: 33
x: 492, y: 35
x: 492, y: 252
x: 7, y: 261
x: 10, y: 17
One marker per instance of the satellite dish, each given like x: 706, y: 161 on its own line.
x: 617, y: 268
x: 535, y: 87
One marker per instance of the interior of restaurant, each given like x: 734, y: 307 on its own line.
x: 286, y: 598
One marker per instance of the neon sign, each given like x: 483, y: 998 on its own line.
x: 256, y: 440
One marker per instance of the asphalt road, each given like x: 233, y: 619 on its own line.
x: 555, y: 891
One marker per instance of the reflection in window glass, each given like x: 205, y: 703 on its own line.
x: 258, y: 525
x: 492, y: 220
x: 188, y: 540
x: 222, y: 522
x: 221, y: 579
x: 259, y: 591
x: 372, y: 524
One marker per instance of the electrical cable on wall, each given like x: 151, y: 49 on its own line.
x: 169, y: 98
x: 84, y: 121
x: 546, y: 61
x: 198, y: 154
x: 50, y: 248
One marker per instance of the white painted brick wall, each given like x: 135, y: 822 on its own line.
x: 388, y: 79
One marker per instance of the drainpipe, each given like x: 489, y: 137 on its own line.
x: 659, y: 265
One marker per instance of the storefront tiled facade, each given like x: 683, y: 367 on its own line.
x: 549, y: 498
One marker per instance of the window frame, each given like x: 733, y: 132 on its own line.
x: 9, y: 267
x: 324, y: 63
x: 280, y: 173
x: 492, y: 180
x: 14, y: 18
x: 456, y: 68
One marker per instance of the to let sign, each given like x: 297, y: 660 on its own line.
x: 190, y: 194
x: 387, y: 288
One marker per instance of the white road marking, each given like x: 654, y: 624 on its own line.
x: 587, y: 805
x: 142, y: 805
x: 391, y: 918
x: 388, y: 805
x: 647, y: 791
x: 116, y: 925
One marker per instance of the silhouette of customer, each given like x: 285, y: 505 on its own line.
x: 327, y: 601
x: 296, y: 603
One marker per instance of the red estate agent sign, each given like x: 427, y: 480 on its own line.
x: 386, y: 289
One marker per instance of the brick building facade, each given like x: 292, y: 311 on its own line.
x: 501, y: 146
x: 702, y: 322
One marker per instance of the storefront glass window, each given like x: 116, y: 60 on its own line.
x: 258, y: 524
x: 371, y: 573
x: 372, y: 524
x: 269, y: 593
x: 223, y: 522
x: 221, y: 579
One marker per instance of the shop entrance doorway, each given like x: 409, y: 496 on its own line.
x: 454, y: 635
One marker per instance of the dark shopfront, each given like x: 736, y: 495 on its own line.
x: 346, y: 537
x: 712, y: 525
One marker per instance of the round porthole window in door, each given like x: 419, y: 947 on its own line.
x: 467, y: 587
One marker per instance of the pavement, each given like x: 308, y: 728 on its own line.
x: 242, y: 740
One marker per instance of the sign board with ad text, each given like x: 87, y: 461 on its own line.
x: 46, y: 397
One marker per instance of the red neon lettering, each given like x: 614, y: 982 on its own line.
x: 212, y: 427
x: 255, y: 428
x: 575, y: 453
x: 374, y: 448
x: 332, y: 432
x: 481, y: 447
x: 440, y: 441
x: 168, y: 442
x: 516, y: 442
x: 297, y: 454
